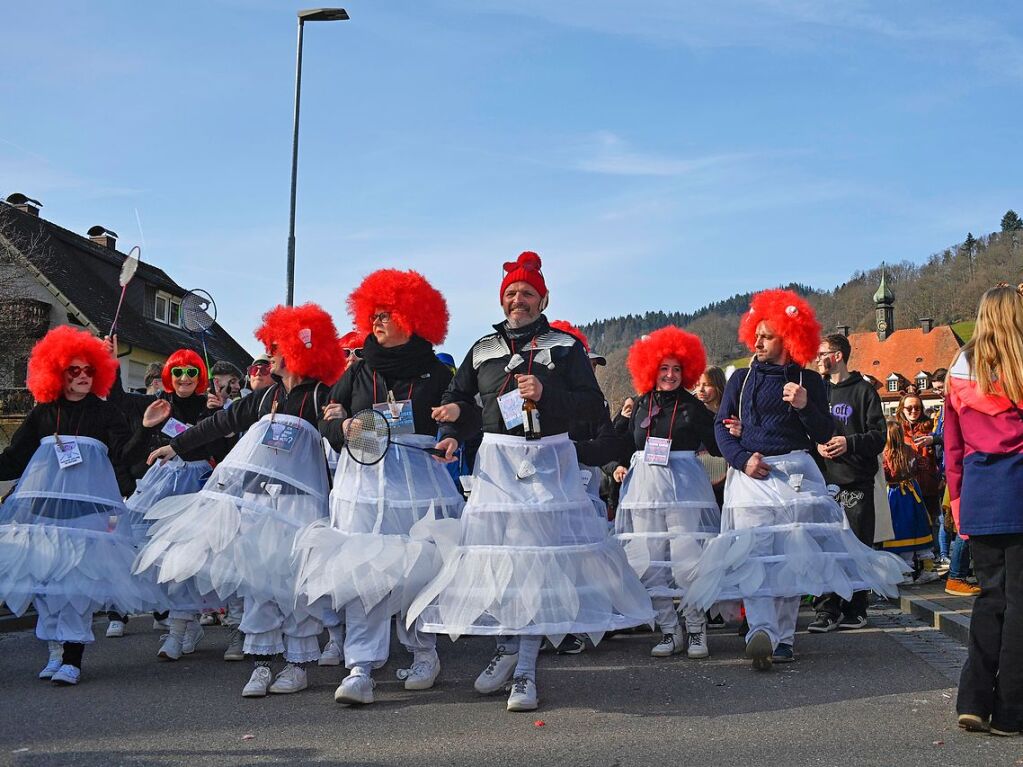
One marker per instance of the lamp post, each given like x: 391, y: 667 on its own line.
x: 315, y: 14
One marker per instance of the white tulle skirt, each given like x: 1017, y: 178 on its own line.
x: 163, y: 480
x: 665, y: 518
x: 379, y: 543
x: 533, y: 557
x: 65, y: 536
x: 591, y: 476
x: 236, y: 535
x: 785, y: 536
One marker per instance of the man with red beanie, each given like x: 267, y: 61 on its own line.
x: 528, y: 531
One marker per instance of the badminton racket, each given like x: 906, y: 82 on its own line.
x: 368, y: 438
x: 198, y: 313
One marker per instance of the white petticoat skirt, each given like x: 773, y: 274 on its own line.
x: 785, y: 536
x: 591, y: 476
x: 235, y: 536
x: 65, y: 536
x: 666, y: 516
x: 533, y: 557
x: 163, y: 480
x: 379, y: 543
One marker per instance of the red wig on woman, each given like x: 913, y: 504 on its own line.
x: 307, y: 339
x: 183, y: 358
x: 54, y: 353
x: 648, y: 352
x: 414, y: 304
x: 567, y: 327
x: 790, y: 316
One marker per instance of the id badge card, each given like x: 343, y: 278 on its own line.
x: 398, y: 415
x: 656, y: 451
x: 68, y: 452
x: 280, y: 436
x: 511, y: 409
x: 173, y: 427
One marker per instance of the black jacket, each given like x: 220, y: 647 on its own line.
x: 361, y: 387
x: 89, y: 417
x: 693, y: 428
x: 856, y: 410
x: 570, y: 390
x: 596, y: 441
x: 306, y: 401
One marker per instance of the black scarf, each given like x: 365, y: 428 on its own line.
x: 526, y: 332
x: 399, y: 363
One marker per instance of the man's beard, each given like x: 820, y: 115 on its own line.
x: 519, y: 323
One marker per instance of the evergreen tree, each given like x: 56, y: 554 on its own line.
x: 1011, y: 222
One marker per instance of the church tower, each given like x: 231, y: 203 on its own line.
x: 884, y: 308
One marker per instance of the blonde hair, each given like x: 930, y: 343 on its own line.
x: 995, y: 352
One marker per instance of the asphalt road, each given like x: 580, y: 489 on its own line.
x: 882, y: 696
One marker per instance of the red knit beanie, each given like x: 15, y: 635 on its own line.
x: 526, y: 268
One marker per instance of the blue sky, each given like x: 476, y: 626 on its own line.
x: 658, y: 155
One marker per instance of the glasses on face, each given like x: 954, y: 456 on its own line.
x: 381, y: 317
x: 912, y: 408
x: 76, y: 370
x: 185, y: 372
x: 262, y: 369
x: 822, y: 355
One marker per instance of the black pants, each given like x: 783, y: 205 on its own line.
x: 858, y: 503
x: 992, y: 679
x: 73, y: 654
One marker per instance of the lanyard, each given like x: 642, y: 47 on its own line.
x: 374, y: 374
x: 56, y: 429
x: 529, y: 366
x: 273, y: 408
x: 650, y: 421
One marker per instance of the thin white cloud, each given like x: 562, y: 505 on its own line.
x: 606, y: 152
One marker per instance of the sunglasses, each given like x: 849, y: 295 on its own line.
x: 76, y: 370
x: 185, y: 372
x: 262, y: 369
x: 380, y: 317
x: 654, y: 410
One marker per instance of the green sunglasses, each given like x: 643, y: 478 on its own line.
x: 185, y: 372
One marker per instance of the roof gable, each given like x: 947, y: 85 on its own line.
x: 906, y: 352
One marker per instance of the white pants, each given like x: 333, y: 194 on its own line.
x: 368, y: 635
x: 60, y: 622
x: 774, y: 615
x: 667, y: 617
x: 269, y: 631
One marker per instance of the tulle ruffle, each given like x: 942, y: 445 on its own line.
x: 162, y: 480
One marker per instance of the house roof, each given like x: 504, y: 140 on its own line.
x: 86, y: 274
x: 905, y: 352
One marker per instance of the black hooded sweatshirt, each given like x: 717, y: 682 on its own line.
x: 858, y: 416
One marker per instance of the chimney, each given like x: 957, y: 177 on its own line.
x: 24, y: 204
x: 927, y: 324
x: 103, y: 237
x: 843, y: 329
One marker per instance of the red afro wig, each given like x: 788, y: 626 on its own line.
x: 414, y: 304
x: 567, y: 327
x: 54, y: 353
x: 184, y: 358
x: 790, y: 316
x: 647, y: 354
x: 307, y: 339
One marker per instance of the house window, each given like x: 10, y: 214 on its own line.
x: 167, y: 309
x: 922, y: 382
x: 893, y: 384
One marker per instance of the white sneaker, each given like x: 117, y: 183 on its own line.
x: 67, y: 675
x: 115, y: 629
x: 497, y: 673
x: 193, y: 633
x: 258, y: 683
x: 291, y: 679
x: 235, y: 646
x: 55, y: 661
x: 331, y: 654
x: 422, y: 674
x: 927, y: 576
x: 523, y: 695
x: 357, y: 687
x: 171, y: 647
x: 670, y: 644
x: 697, y: 644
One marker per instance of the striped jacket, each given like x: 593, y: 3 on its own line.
x: 983, y: 457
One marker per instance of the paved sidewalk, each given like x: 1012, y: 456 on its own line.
x: 930, y: 604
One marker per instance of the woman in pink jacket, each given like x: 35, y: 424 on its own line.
x: 984, y: 465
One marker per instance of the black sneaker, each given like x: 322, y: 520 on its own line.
x: 852, y: 622
x: 758, y: 650
x: 822, y: 624
x: 571, y: 645
x: 715, y: 622
x: 783, y: 653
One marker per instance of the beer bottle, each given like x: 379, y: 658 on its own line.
x: 530, y: 420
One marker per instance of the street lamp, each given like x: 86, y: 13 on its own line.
x: 313, y: 14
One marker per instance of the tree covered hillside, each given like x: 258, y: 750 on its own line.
x: 946, y: 288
